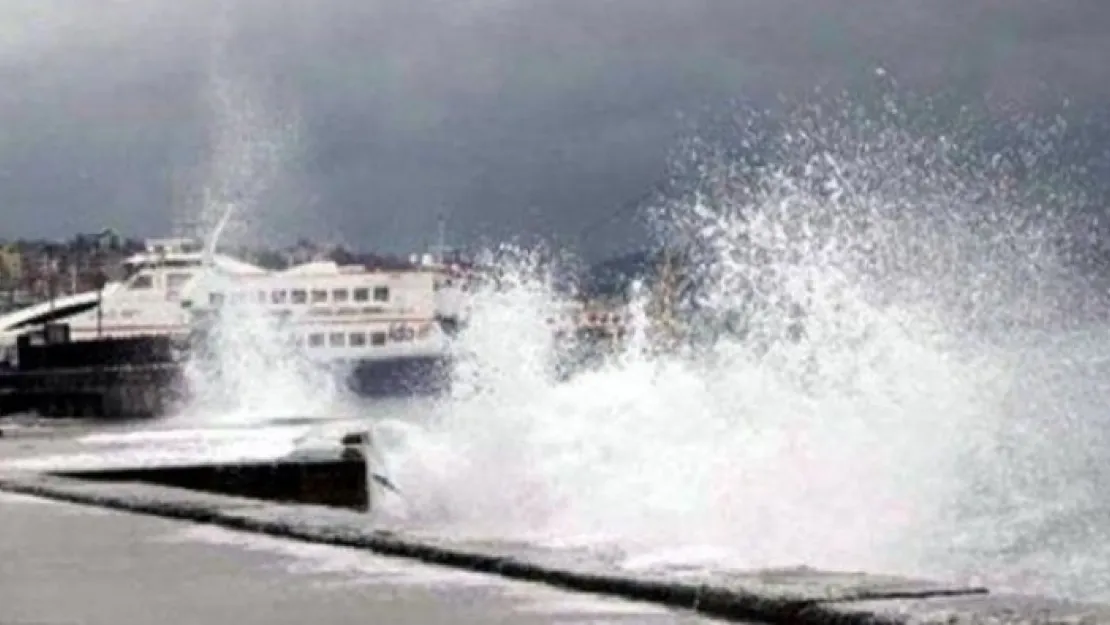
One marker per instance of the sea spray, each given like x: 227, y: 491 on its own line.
x: 245, y: 366
x: 846, y: 445
x: 906, y: 428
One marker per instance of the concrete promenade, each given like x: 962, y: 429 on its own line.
x: 64, y: 564
x: 226, y: 559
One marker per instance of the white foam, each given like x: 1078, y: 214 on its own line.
x: 847, y: 448
x: 538, y: 600
x: 307, y: 558
x: 695, y: 556
x: 57, y: 507
x: 165, y: 454
x: 16, y: 498
x: 843, y: 449
x: 259, y: 432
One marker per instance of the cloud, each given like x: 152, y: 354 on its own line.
x: 509, y: 116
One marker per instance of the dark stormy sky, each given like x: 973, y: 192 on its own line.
x: 362, y: 120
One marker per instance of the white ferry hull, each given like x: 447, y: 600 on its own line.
x: 420, y: 365
x: 384, y: 331
x: 398, y: 377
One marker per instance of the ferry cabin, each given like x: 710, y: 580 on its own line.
x: 331, y: 312
x: 143, y: 302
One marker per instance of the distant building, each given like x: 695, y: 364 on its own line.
x: 105, y: 240
x: 11, y: 266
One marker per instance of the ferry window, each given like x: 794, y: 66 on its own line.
x: 335, y: 339
x: 298, y: 341
x: 237, y: 297
x: 216, y: 299
x: 261, y: 297
x: 141, y: 282
x: 277, y: 297
x: 362, y: 294
x: 377, y: 339
x: 298, y: 296
x: 319, y: 295
x: 381, y: 293
x: 315, y: 340
x: 339, y: 295
x: 356, y: 339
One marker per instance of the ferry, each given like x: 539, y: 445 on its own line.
x: 383, y: 324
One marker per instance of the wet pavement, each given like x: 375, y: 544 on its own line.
x: 64, y: 563
x: 68, y: 564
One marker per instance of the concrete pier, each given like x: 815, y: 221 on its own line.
x: 779, y: 596
x: 63, y: 564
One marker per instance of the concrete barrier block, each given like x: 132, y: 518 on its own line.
x: 340, y: 482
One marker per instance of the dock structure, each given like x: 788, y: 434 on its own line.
x: 142, y: 377
x: 131, y: 377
